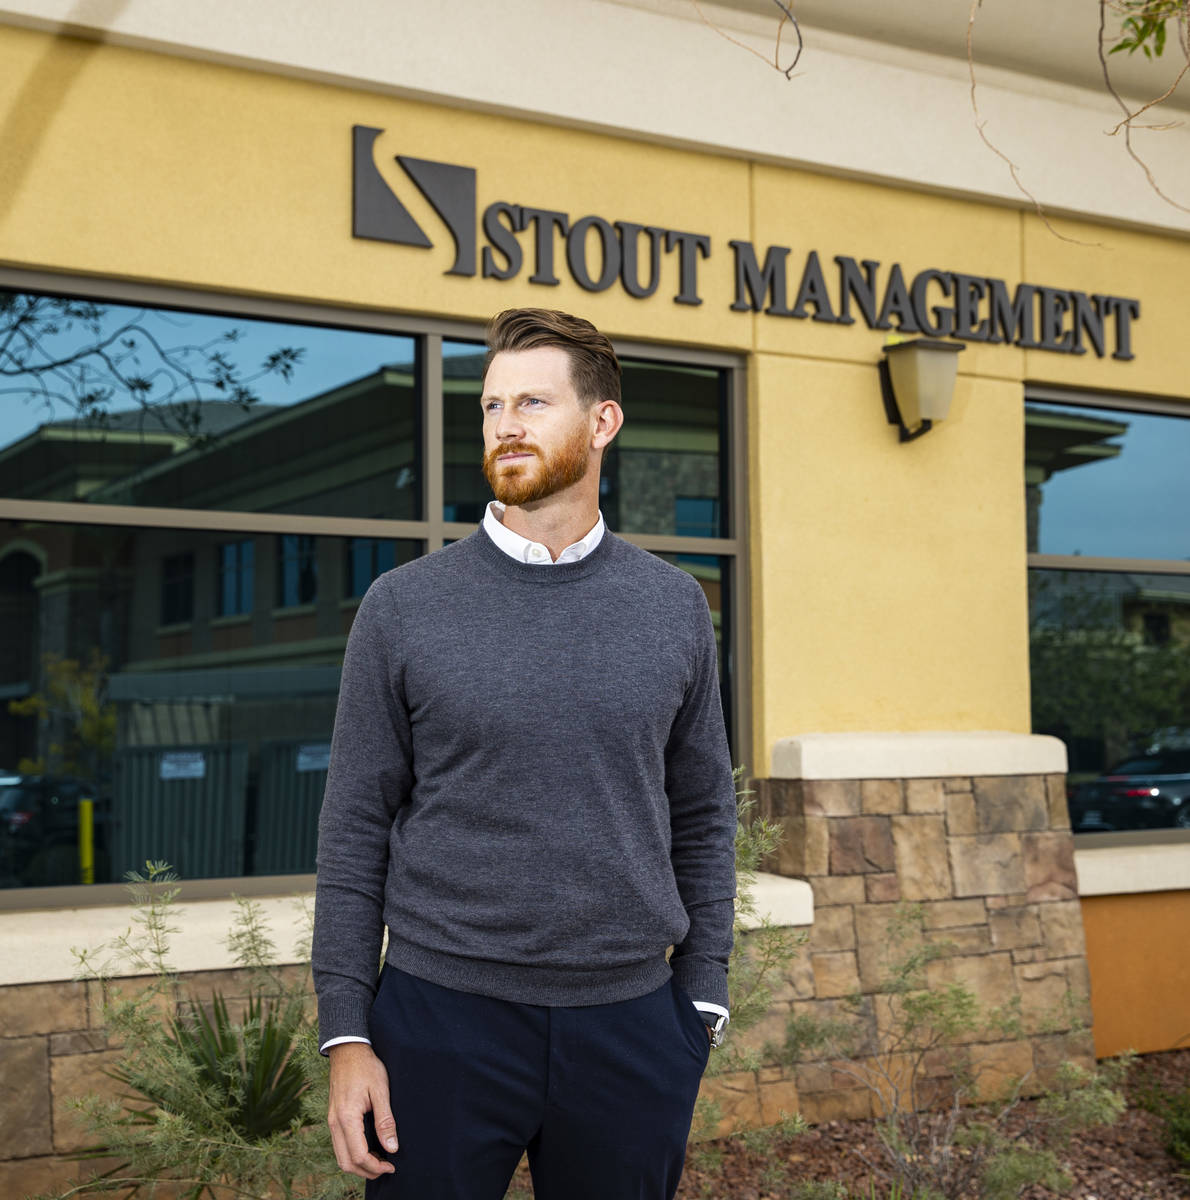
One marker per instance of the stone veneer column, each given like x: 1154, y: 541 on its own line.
x: 971, y: 826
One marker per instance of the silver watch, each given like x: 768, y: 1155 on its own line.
x: 717, y: 1024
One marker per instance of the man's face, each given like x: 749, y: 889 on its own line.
x: 536, y: 433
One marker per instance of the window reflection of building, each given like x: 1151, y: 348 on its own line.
x: 297, y: 570
x: 223, y: 634
x: 177, y: 589
x: 1110, y: 637
x: 234, y: 588
x: 1058, y: 441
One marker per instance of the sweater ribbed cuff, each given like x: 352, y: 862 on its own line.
x: 343, y: 1016
x: 701, y: 980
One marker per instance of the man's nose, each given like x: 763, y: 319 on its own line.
x: 509, y: 426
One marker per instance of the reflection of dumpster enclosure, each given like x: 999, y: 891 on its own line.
x: 184, y: 805
x: 292, y: 778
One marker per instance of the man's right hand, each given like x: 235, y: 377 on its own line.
x: 359, y: 1085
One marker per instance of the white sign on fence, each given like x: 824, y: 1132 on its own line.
x: 314, y: 756
x: 183, y: 764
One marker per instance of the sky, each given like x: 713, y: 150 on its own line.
x: 331, y: 357
x: 1136, y: 505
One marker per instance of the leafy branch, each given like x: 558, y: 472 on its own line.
x: 1144, y: 28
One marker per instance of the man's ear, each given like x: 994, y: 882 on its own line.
x: 607, y: 418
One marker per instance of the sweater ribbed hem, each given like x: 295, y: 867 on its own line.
x: 552, y: 986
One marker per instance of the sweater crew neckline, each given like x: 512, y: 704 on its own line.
x: 535, y: 573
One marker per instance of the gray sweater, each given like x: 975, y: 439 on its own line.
x: 529, y: 785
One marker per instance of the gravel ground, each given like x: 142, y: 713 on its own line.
x: 1124, y: 1161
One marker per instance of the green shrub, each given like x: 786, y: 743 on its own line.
x: 213, y: 1104
x: 1172, y: 1105
x: 939, y: 1141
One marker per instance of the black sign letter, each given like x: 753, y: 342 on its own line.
x: 939, y: 320
x: 545, y: 221
x: 503, y: 238
x: 863, y: 288
x: 760, y: 284
x: 629, y: 269
x: 812, y: 290
x: 690, y: 247
x: 576, y: 254
x: 897, y: 304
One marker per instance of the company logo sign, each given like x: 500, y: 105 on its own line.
x: 599, y: 254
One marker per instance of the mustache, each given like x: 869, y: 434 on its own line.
x: 490, y: 458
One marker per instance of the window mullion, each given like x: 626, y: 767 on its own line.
x: 433, y: 446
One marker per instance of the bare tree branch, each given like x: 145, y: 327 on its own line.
x: 980, y: 128
x: 787, y: 15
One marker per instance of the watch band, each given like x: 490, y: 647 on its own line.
x: 717, y: 1024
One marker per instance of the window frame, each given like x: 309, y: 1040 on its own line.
x: 241, y: 572
x: 177, y: 590
x: 433, y: 531
x: 1111, y: 402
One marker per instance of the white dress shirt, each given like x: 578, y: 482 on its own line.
x: 526, y: 551
x: 523, y: 550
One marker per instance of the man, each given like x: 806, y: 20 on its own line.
x: 530, y: 788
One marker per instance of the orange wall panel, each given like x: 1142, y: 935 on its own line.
x: 1138, y: 951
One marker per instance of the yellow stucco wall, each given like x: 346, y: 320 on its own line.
x: 889, y: 586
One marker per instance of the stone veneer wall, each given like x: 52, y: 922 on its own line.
x: 991, y: 861
x: 53, y: 1048
x: 989, y: 858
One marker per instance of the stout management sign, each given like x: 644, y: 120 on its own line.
x: 599, y: 254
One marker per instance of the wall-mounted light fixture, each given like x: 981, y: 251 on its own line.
x: 917, y: 380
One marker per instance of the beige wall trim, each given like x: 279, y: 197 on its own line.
x: 916, y: 755
x: 642, y: 72
x: 38, y: 945
x: 1127, y: 870
x: 1087, y: 398
x: 218, y: 520
x: 1080, y: 562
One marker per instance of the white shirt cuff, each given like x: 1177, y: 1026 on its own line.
x: 340, y: 1040
x: 718, y: 1009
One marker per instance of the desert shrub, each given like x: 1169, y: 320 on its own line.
x: 1172, y: 1105
x: 942, y: 1137
x: 214, y: 1103
x: 759, y: 956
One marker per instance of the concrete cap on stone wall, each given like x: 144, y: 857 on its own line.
x: 916, y: 755
x: 785, y: 902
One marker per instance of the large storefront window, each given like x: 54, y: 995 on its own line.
x: 1109, y: 602
x: 168, y: 409
x: 174, y: 632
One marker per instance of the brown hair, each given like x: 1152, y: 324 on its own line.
x: 594, y: 368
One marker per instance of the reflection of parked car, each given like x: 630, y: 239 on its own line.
x: 39, y: 830
x: 1146, y: 791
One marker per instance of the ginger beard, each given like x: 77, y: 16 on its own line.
x: 523, y: 482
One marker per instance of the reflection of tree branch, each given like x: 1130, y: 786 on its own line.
x: 1126, y: 123
x: 987, y: 141
x: 87, y: 373
x: 786, y: 16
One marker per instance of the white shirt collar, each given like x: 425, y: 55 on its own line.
x: 523, y: 550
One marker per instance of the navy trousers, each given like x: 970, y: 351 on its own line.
x: 600, y: 1096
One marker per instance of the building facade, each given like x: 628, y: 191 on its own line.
x: 247, y: 261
